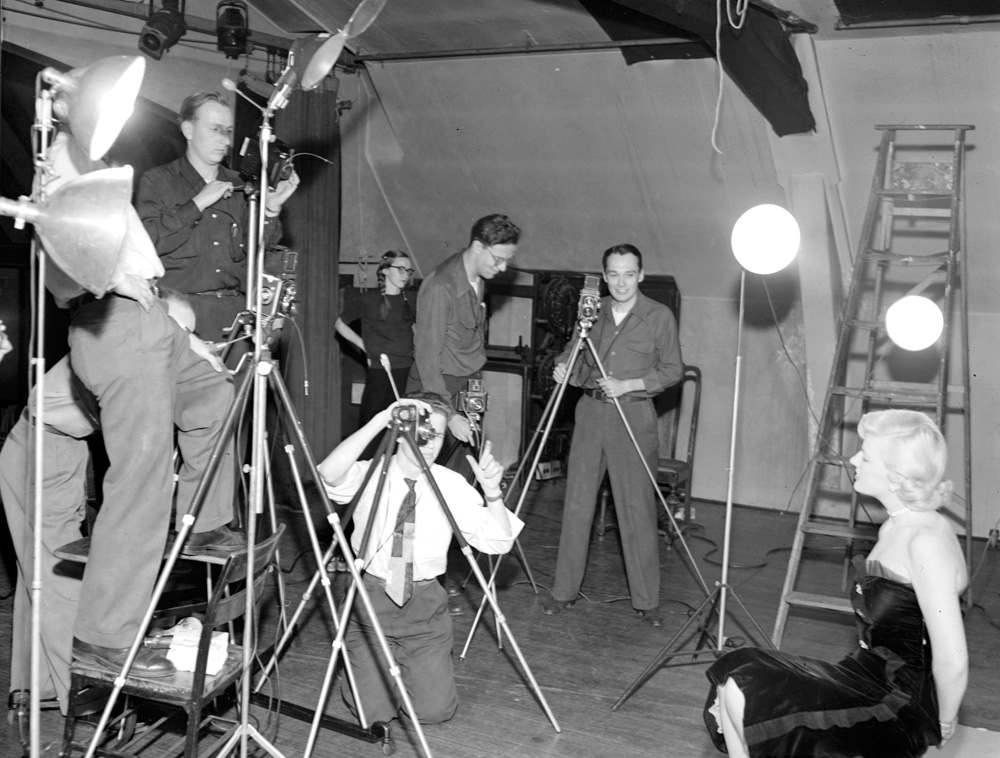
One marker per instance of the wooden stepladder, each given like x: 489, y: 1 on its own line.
x: 911, y: 244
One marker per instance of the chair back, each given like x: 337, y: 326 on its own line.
x: 228, y: 600
x: 676, y: 404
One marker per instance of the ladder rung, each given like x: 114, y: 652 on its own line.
x: 920, y: 212
x: 883, y: 256
x: 913, y: 194
x: 812, y: 600
x: 888, y: 396
x: 833, y: 460
x: 866, y: 533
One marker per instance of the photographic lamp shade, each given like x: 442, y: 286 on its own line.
x: 98, y: 99
x: 914, y: 322
x: 313, y: 57
x: 765, y: 239
x: 82, y: 225
x: 363, y: 17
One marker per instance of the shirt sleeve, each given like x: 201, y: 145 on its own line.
x: 668, y: 368
x: 428, y: 343
x: 482, y: 531
x: 169, y: 223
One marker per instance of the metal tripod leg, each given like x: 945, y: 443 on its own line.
x: 558, y: 395
x: 487, y: 592
x: 187, y: 522
x: 295, y: 426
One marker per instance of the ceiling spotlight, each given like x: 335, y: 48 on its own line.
x: 162, y: 30
x: 232, y: 27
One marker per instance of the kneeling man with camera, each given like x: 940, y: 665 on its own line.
x: 406, y: 550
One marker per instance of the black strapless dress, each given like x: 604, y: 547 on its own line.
x: 878, y: 702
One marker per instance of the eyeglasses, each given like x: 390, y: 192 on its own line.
x: 498, y: 261
x: 403, y: 270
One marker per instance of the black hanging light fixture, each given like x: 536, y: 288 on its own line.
x: 232, y: 28
x: 162, y: 30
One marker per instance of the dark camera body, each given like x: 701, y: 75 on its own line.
x: 410, y: 417
x: 279, y: 157
x: 473, y: 399
x: 590, y: 299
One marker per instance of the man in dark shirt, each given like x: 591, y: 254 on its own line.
x: 636, y: 340
x: 450, y: 337
x: 198, y: 224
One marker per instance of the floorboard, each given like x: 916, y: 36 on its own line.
x: 584, y: 659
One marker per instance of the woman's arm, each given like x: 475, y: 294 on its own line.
x: 936, y: 579
x: 349, y: 334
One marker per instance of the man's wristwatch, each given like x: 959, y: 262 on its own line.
x: 493, y: 498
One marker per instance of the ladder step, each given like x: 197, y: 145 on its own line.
x: 909, y: 211
x: 925, y: 398
x: 912, y: 194
x: 853, y: 533
x: 810, y: 600
x: 882, y: 256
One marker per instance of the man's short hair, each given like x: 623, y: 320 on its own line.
x: 438, y: 403
x: 191, y: 104
x: 495, y: 229
x: 621, y: 250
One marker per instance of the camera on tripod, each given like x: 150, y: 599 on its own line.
x: 410, y: 417
x: 472, y: 401
x: 278, y: 297
x: 280, y: 158
x: 590, y: 299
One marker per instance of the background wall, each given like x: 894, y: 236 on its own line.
x: 584, y: 152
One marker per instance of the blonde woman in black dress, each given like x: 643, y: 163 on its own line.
x: 899, y: 692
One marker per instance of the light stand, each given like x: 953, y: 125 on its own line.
x: 765, y: 239
x: 83, y: 228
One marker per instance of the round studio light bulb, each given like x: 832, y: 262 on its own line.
x: 765, y: 239
x: 914, y: 322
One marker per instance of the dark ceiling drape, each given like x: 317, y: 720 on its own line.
x: 759, y: 58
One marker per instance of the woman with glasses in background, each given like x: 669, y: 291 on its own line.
x: 386, y: 317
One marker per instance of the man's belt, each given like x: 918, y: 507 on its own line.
x: 599, y: 395
x: 227, y: 292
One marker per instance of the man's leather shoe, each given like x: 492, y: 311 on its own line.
x: 555, y: 607
x: 221, y: 541
x: 147, y: 664
x: 653, y: 617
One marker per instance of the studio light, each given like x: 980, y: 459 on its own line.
x: 96, y: 100
x: 914, y: 322
x: 765, y: 239
x: 83, y: 225
x: 162, y: 30
x: 232, y: 28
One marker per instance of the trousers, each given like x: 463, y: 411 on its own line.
x: 601, y: 444
x: 147, y: 381
x: 64, y: 478
x: 420, y: 637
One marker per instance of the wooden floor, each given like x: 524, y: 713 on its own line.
x: 584, y: 659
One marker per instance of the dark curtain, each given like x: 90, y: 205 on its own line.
x: 311, y: 220
x: 759, y: 58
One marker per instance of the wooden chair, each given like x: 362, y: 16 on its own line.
x: 190, y: 690
x: 673, y: 474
